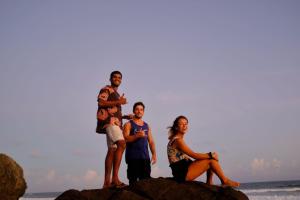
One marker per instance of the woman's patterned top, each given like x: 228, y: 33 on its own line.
x: 174, y: 154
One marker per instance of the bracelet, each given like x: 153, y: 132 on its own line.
x: 210, y: 155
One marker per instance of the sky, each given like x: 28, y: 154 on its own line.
x: 231, y: 67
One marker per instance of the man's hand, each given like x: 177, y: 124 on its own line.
x: 153, y: 159
x: 122, y: 100
x: 140, y: 134
x: 128, y: 117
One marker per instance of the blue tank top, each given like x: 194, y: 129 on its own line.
x: 139, y: 148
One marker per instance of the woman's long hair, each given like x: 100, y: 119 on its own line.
x: 173, y: 129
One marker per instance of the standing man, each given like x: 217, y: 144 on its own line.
x: 109, y: 122
x: 138, y: 136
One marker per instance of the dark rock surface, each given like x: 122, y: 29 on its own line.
x: 158, y: 189
x: 12, y: 182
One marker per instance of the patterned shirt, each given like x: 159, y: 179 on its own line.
x: 174, y: 154
x: 108, y: 115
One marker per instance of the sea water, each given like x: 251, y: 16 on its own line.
x: 41, y: 196
x: 279, y: 190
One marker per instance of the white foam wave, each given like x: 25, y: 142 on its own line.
x: 289, y: 197
x: 247, y: 191
x: 25, y: 198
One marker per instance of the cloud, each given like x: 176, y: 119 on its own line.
x: 35, y: 154
x: 51, y: 175
x: 276, y: 163
x: 91, y: 176
x: 157, y: 172
x: 259, y: 165
x: 42, y: 180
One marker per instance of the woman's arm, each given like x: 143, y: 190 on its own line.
x: 180, y: 144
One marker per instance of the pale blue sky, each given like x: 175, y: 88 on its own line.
x: 232, y: 67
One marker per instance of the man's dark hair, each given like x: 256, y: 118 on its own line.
x: 115, y: 72
x: 138, y: 104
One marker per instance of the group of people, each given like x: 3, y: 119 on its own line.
x: 135, y: 137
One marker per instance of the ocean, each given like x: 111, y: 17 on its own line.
x: 277, y: 190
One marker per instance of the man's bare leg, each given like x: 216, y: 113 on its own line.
x: 108, y: 166
x: 121, y: 144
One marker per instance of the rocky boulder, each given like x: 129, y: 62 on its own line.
x: 158, y: 189
x: 12, y: 182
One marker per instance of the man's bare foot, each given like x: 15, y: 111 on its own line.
x: 231, y: 183
x: 118, y: 185
x: 116, y: 181
x: 106, y: 185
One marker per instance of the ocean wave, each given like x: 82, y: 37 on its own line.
x: 264, y: 190
x: 30, y: 198
x: 274, y: 197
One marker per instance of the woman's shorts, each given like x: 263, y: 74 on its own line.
x: 180, y: 169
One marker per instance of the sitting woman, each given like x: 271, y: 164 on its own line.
x: 183, y: 168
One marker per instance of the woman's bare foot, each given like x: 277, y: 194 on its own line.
x: 230, y: 183
x: 209, y: 182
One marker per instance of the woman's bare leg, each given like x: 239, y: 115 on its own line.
x: 215, y: 166
x: 209, y: 177
x: 198, y: 167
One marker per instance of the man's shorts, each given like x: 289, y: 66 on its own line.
x: 113, y: 134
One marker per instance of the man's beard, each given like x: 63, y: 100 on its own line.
x: 137, y: 117
x: 115, y: 85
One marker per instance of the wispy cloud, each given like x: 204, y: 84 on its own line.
x: 53, y: 180
x: 260, y: 165
x: 35, y: 154
x: 91, y: 176
x: 276, y: 163
x: 50, y: 176
x: 157, y: 171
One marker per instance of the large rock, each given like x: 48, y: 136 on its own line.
x: 12, y: 182
x: 158, y: 189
